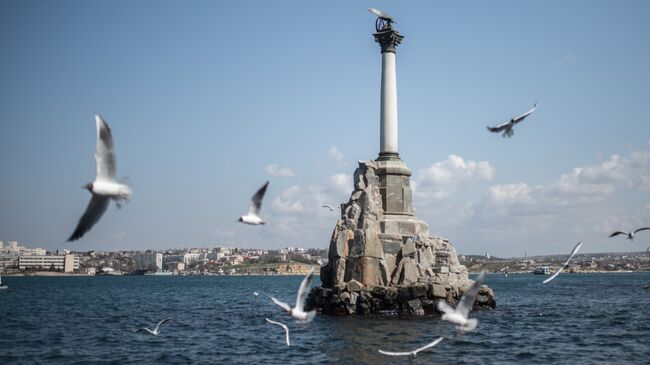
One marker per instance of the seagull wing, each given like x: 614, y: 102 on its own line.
x: 302, y: 291
x: 281, y: 304
x: 617, y: 233
x: 286, y: 329
x: 143, y: 329
x: 105, y: 151
x: 161, y: 322
x: 95, y: 209
x: 641, y: 229
x: 437, y: 341
x: 575, y: 250
x: 445, y: 308
x: 523, y: 116
x: 256, y: 200
x: 467, y: 301
x: 498, y: 128
x: 395, y: 353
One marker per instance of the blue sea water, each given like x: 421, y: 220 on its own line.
x: 576, y: 319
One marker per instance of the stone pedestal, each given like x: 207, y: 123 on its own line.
x: 386, y: 261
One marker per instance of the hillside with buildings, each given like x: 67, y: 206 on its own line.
x: 586, y: 262
x: 219, y: 260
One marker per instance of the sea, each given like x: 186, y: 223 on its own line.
x: 600, y: 318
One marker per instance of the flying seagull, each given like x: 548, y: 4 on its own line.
x: 414, y: 352
x: 575, y: 250
x: 381, y: 15
x: 155, y: 331
x: 256, y: 204
x: 298, y: 312
x: 328, y: 207
x: 459, y: 314
x: 104, y: 188
x: 506, y: 127
x: 630, y: 235
x: 286, y: 329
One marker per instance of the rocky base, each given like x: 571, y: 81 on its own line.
x: 382, y: 259
x: 412, y: 300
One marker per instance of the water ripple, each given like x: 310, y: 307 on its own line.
x: 588, y: 318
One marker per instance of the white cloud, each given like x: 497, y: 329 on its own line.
x: 342, y: 182
x: 337, y: 155
x: 583, y: 185
x: 299, y: 218
x: 289, y: 201
x: 275, y: 170
x: 586, y: 203
x: 444, y: 177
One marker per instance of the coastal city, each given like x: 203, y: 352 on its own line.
x: 17, y: 259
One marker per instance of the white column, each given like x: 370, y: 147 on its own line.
x: 388, y: 116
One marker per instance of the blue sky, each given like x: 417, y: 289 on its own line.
x: 207, y: 100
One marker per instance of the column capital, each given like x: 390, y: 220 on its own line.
x: 388, y: 38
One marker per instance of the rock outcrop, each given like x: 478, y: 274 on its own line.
x: 386, y: 262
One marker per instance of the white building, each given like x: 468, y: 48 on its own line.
x: 149, y: 261
x: 12, y: 248
x: 189, y: 258
x: 33, y: 251
x: 66, y: 263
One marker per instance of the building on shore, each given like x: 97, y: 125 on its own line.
x: 149, y: 261
x: 66, y: 262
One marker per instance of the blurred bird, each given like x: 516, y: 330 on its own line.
x: 414, y: 352
x: 459, y: 314
x: 286, y: 329
x: 298, y: 312
x: 566, y: 263
x: 253, y: 217
x: 104, y: 188
x: 155, y: 331
x: 630, y: 235
x: 328, y: 207
x: 507, y: 126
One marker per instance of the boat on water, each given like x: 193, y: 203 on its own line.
x: 2, y: 286
x: 544, y: 270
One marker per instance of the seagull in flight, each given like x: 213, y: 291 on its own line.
x: 506, y: 127
x: 253, y: 217
x: 298, y: 312
x: 286, y: 329
x: 414, y: 352
x: 459, y: 314
x: 104, y: 188
x: 155, y: 331
x: 630, y: 235
x: 575, y: 250
x: 328, y: 207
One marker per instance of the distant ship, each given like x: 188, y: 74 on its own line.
x: 542, y: 271
x: 2, y: 286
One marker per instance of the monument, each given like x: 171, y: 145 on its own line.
x: 382, y: 258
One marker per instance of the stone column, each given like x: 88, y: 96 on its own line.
x: 388, y: 38
x: 394, y: 176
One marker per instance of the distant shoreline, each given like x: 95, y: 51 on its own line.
x: 565, y: 272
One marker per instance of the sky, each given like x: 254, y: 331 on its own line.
x: 207, y: 100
